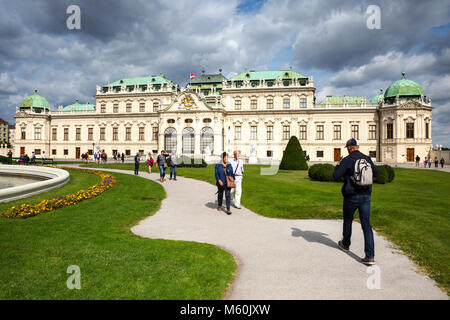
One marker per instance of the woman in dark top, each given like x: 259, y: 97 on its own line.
x: 221, y: 182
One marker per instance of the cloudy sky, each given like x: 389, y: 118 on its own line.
x: 324, y: 38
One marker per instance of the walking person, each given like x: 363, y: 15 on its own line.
x: 436, y: 162
x: 223, y: 172
x: 123, y: 157
x: 425, y: 162
x: 357, y: 191
x: 417, y: 160
x: 238, y: 174
x: 173, y: 163
x: 10, y: 154
x: 137, y: 159
x: 161, y: 162
x: 429, y: 163
x: 149, y: 160
x: 442, y: 162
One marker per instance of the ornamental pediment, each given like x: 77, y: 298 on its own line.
x: 410, y: 105
x: 187, y: 101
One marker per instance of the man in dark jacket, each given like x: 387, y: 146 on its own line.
x: 356, y: 198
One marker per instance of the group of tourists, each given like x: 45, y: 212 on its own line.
x: 118, y: 157
x: 163, y: 161
x: 85, y: 157
x: 428, y: 162
x: 358, y: 171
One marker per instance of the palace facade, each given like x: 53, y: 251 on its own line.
x: 255, y: 112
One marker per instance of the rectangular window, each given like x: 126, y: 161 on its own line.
x: 337, y: 132
x: 102, y: 133
x: 286, y: 132
x: 103, y: 108
x: 155, y: 106
x: 270, y: 103
x: 116, y: 108
x: 155, y: 133
x: 237, y: 133
x: 66, y: 152
x: 127, y: 152
x: 66, y: 134
x: 54, y: 134
x: 286, y: 103
x: 302, y: 102
x: 37, y: 133
x: 427, y: 131
x: 128, y: 106
x: 90, y: 134
x: 37, y: 152
x: 53, y: 152
x: 237, y: 104
x: 269, y: 153
x: 253, y: 104
x: 23, y: 133
x: 410, y: 131
x: 372, y: 154
x: 373, y: 132
x: 319, y: 154
x: 253, y: 132
x: 142, y: 107
x: 355, y: 131
x: 319, y: 132
x: 128, y: 134
x: 269, y: 132
x: 78, y: 134
x: 389, y: 131
x: 303, y: 134
x: 115, y: 133
x: 141, y: 133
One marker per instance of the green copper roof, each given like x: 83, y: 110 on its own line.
x: 403, y: 87
x: 267, y: 75
x: 208, y: 78
x: 139, y: 81
x: 35, y: 101
x: 378, y: 97
x: 79, y: 107
x: 340, y: 100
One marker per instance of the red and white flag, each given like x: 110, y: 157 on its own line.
x: 192, y: 76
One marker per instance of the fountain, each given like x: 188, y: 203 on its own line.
x: 19, y: 181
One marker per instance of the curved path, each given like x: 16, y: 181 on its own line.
x: 281, y: 258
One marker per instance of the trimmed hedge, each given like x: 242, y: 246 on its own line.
x: 187, y: 162
x: 324, y: 172
x: 293, y: 156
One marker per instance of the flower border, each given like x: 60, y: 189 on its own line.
x: 31, y: 210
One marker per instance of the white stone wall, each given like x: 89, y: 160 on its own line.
x: 224, y: 120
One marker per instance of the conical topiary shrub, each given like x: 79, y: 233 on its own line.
x: 293, y: 156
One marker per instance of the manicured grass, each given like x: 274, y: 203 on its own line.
x: 413, y: 211
x: 115, y: 264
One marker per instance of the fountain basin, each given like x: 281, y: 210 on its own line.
x: 48, y: 178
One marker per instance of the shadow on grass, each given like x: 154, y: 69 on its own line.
x: 319, y: 237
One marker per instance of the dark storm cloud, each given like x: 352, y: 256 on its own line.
x: 125, y: 38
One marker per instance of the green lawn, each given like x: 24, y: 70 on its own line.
x: 413, y: 211
x: 115, y: 264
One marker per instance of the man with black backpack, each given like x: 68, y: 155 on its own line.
x: 358, y: 171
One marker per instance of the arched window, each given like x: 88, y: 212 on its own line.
x: 207, y: 140
x: 170, y: 139
x: 188, y: 141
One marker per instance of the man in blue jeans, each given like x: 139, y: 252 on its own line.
x: 356, y: 198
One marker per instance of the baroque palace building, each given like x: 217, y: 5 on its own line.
x: 255, y: 112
